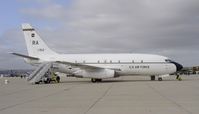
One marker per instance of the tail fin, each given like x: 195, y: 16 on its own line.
x: 35, y: 45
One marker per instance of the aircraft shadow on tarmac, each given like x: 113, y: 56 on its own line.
x: 119, y: 81
x: 114, y: 81
x: 141, y: 80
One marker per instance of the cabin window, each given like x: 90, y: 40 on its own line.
x: 141, y: 61
x: 118, y: 61
x: 110, y: 61
x: 132, y: 61
x: 104, y: 61
x: 98, y: 61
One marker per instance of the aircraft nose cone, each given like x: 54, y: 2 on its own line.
x: 178, y: 66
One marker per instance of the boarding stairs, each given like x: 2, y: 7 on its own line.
x: 39, y: 73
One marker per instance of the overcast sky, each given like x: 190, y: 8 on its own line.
x: 165, y: 27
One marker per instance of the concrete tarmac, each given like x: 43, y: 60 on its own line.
x: 123, y: 95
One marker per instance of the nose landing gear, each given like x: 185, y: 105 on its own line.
x: 178, y: 77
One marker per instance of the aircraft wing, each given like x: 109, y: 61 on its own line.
x: 25, y: 56
x: 82, y: 66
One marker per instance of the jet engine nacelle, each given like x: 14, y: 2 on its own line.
x: 96, y: 73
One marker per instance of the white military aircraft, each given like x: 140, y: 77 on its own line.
x: 93, y: 66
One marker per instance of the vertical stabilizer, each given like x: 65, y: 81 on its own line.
x: 35, y: 45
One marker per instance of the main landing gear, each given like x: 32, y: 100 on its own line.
x: 94, y: 80
x: 159, y: 78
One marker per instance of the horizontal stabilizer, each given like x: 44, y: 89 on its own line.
x: 25, y: 56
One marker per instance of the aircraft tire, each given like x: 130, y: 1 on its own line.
x: 160, y: 79
x: 93, y: 80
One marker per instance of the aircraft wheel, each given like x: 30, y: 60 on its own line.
x: 160, y: 79
x: 58, y: 79
x: 93, y: 80
x: 152, y: 78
